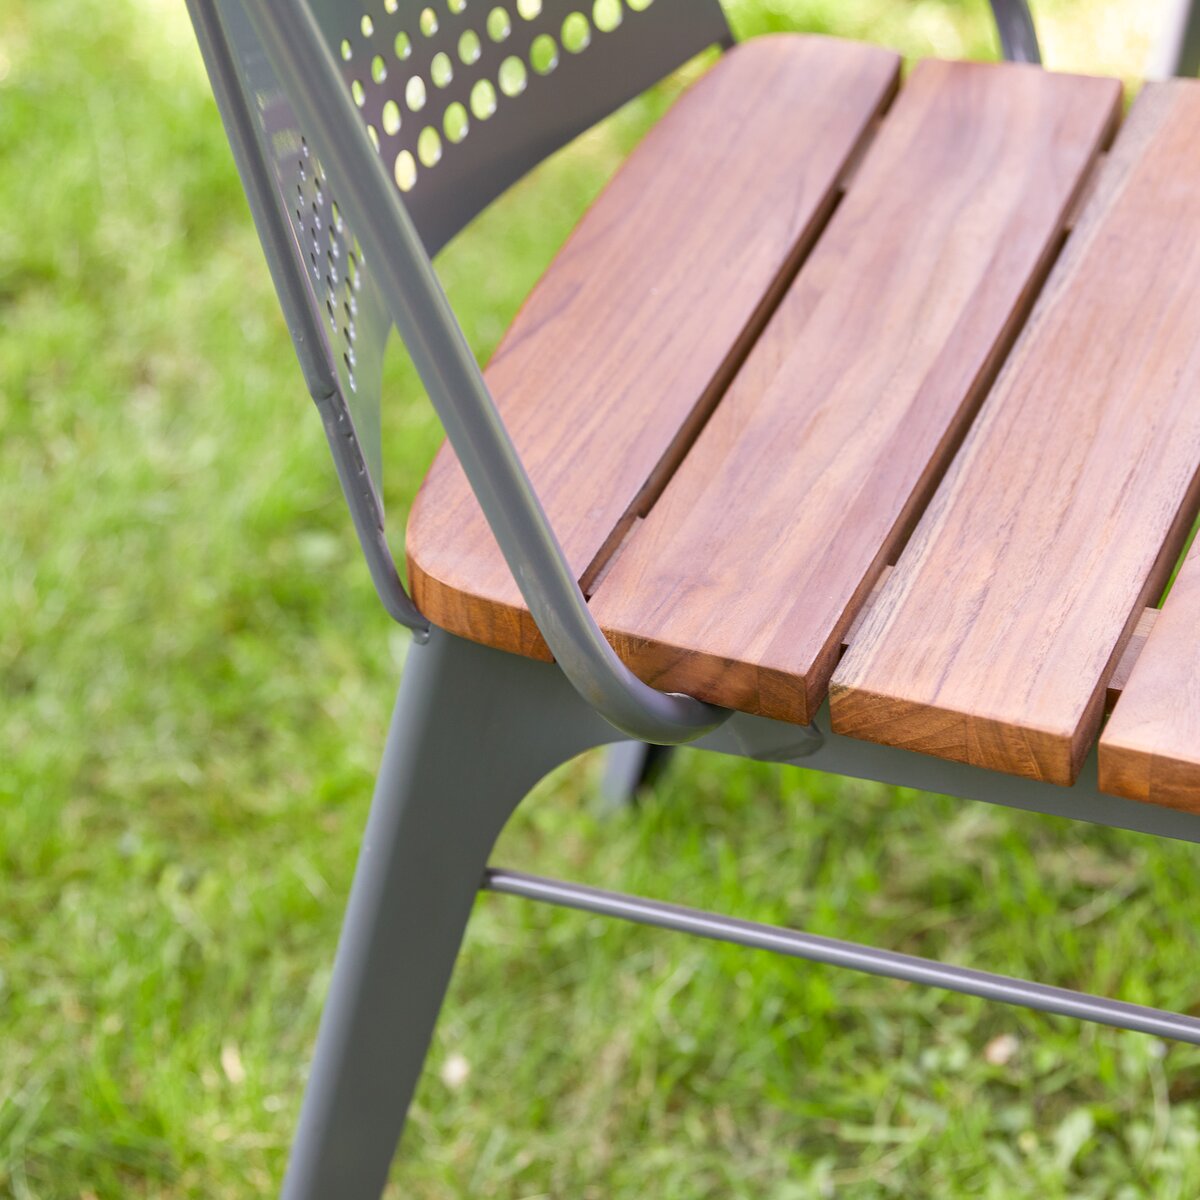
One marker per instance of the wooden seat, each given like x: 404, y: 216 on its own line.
x: 761, y: 372
x: 630, y: 338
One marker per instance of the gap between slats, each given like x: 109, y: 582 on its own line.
x: 623, y: 534
x: 691, y: 429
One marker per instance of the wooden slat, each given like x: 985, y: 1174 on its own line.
x: 1150, y: 749
x: 631, y: 336
x: 1117, y: 682
x: 742, y: 580
x: 994, y: 637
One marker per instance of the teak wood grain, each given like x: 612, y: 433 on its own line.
x: 1150, y: 749
x: 1118, y: 680
x: 633, y: 332
x: 992, y: 640
x: 744, y: 577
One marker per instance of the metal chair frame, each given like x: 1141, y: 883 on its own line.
x: 305, y: 102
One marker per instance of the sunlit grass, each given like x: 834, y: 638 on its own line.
x: 195, y: 678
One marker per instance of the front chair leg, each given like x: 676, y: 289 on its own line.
x: 474, y: 729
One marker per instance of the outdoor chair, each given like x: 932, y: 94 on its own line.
x: 856, y: 426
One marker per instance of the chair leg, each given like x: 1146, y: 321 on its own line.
x: 629, y: 767
x: 473, y: 731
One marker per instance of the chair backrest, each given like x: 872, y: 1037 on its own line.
x: 460, y: 98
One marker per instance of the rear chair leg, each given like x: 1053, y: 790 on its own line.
x: 474, y: 729
x: 628, y: 768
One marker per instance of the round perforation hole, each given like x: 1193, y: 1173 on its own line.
x: 429, y: 147
x: 373, y: 134
x: 358, y: 92
x: 455, y: 122
x: 367, y: 26
x: 469, y: 47
x: 499, y: 24
x: 391, y: 118
x: 402, y: 46
x: 483, y: 99
x: 639, y: 5
x: 529, y: 10
x: 513, y: 76
x: 405, y: 172
x: 606, y: 15
x: 378, y: 69
x: 576, y: 33
x: 457, y: 6
x: 347, y: 51
x: 391, y: 6
x: 415, y: 94
x: 428, y: 22
x: 543, y: 54
x: 441, y: 70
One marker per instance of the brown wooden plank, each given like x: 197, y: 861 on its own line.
x: 632, y: 334
x: 994, y: 637
x: 1150, y: 749
x: 1117, y: 682
x: 743, y: 579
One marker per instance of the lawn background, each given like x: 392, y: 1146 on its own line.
x: 194, y: 682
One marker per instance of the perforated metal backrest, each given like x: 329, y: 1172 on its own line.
x: 464, y: 96
x: 460, y: 98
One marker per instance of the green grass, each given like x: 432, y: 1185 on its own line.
x: 195, y: 677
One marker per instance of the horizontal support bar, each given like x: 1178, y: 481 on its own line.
x: 856, y: 957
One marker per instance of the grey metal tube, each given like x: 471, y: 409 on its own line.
x: 1177, y: 52
x: 405, y: 276
x: 1018, y: 36
x: 852, y: 955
